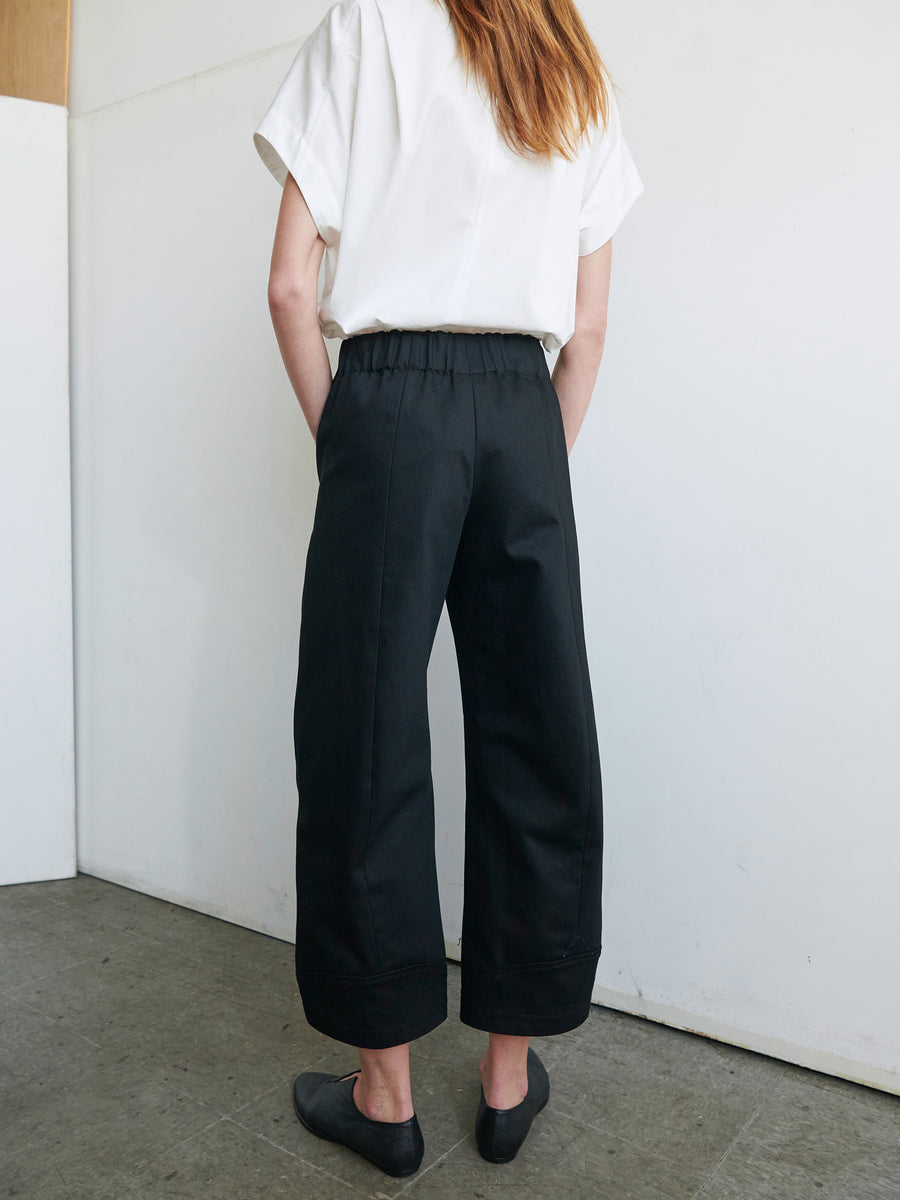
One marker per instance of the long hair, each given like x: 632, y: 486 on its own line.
x: 543, y: 74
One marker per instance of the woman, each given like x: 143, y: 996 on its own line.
x: 457, y: 170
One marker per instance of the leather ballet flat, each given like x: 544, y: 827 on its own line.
x: 500, y: 1132
x: 324, y: 1104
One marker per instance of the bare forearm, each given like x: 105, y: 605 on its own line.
x: 574, y: 377
x: 302, y: 346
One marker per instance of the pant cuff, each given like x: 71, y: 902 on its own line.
x: 375, y: 1011
x: 534, y: 999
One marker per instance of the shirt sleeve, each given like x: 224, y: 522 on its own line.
x: 611, y: 185
x: 308, y: 127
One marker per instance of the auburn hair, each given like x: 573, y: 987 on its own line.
x: 543, y: 74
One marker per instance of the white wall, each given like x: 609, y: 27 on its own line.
x: 37, y: 794
x: 735, y: 504
x: 738, y: 492
x: 194, y: 491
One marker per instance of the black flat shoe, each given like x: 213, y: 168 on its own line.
x: 324, y: 1104
x: 500, y: 1132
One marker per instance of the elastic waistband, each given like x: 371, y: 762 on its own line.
x: 442, y: 350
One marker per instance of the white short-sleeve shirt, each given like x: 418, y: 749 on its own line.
x: 430, y: 220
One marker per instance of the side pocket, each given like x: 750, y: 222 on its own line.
x: 555, y: 415
x: 322, y: 428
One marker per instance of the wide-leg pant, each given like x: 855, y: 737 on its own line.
x: 443, y: 475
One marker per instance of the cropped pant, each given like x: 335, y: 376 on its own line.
x: 443, y: 476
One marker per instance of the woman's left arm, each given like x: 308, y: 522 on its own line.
x: 292, y: 294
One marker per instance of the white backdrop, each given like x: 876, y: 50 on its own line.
x: 37, y: 779
x: 735, y: 488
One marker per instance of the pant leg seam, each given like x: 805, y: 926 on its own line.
x: 587, y: 724
x: 426, y: 966
x: 387, y: 509
x: 546, y: 964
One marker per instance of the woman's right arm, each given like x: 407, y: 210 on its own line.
x: 577, y: 364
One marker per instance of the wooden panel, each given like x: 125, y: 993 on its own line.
x: 34, y: 49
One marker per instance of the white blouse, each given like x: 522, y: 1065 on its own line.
x: 429, y: 220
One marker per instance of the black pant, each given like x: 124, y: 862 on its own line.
x: 443, y: 474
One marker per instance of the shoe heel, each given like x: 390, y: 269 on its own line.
x: 501, y: 1132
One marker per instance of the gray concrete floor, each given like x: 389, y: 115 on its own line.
x: 148, y: 1052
